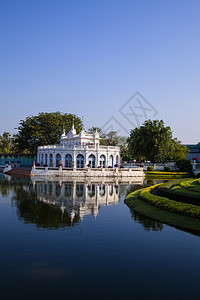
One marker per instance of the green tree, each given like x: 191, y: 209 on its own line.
x: 6, y: 144
x: 184, y: 165
x: 112, y: 139
x: 43, y: 129
x: 154, y: 141
x: 94, y: 129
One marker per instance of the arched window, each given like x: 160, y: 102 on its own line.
x: 68, y: 161
x: 50, y: 188
x: 68, y: 190
x: 80, y: 161
x: 51, y: 159
x: 102, y: 161
x: 111, y: 190
x: 117, y: 159
x: 46, y: 159
x: 57, y: 191
x: 91, y: 161
x: 79, y: 190
x: 111, y: 161
x: 102, y: 190
x: 58, y: 160
x: 91, y: 190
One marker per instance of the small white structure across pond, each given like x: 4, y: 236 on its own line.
x: 78, y: 151
x: 81, y: 155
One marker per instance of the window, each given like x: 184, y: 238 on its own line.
x: 80, y: 161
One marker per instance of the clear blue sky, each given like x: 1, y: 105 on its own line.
x: 90, y: 57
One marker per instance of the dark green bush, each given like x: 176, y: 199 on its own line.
x: 184, y: 165
x: 167, y: 168
x: 150, y: 169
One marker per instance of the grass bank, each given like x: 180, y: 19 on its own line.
x: 148, y: 202
x: 187, y: 223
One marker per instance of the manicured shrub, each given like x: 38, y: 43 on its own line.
x: 166, y: 168
x: 150, y: 168
x: 170, y: 205
x: 187, y: 184
x: 184, y: 165
x: 169, y: 173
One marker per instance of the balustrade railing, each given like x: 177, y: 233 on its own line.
x: 78, y: 147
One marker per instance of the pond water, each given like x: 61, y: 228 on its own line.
x: 78, y: 240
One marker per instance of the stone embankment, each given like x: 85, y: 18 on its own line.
x: 88, y: 172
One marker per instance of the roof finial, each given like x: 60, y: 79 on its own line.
x: 82, y: 123
x: 63, y: 126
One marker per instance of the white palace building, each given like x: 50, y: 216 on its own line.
x: 81, y: 155
x: 79, y: 151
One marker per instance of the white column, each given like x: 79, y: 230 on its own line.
x: 74, y: 158
x: 86, y: 162
x: 38, y: 154
x: 107, y: 159
x: 54, y: 159
x: 63, y: 159
x: 96, y: 159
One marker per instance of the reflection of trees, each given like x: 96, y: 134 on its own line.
x: 148, y: 224
x: 4, y: 188
x: 7, y: 183
x: 133, y: 188
x: 43, y: 215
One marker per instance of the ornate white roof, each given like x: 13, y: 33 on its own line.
x: 81, y: 138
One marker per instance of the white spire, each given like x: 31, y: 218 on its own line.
x: 73, y: 130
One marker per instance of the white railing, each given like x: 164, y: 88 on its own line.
x: 78, y: 147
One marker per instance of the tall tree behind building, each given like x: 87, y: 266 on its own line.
x: 44, y: 129
x: 154, y: 141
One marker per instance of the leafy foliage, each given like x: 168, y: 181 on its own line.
x: 167, y: 168
x: 184, y: 165
x: 112, y: 139
x: 150, y: 168
x: 6, y: 143
x: 153, y: 141
x: 43, y: 129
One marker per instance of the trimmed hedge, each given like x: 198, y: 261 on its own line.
x: 167, y: 168
x: 170, y: 205
x: 187, y: 184
x: 150, y: 168
x: 168, y: 173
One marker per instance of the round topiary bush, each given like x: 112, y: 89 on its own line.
x: 150, y: 169
x: 167, y: 168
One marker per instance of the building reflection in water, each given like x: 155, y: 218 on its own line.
x: 77, y: 198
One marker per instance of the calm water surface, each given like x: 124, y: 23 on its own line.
x: 78, y: 240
